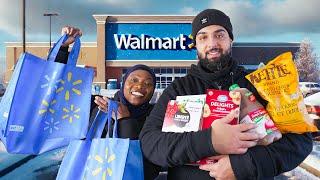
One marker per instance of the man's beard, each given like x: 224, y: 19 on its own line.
x: 214, y: 65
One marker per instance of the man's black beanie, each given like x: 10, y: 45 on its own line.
x: 211, y: 17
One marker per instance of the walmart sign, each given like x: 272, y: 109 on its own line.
x: 151, y: 41
x: 146, y: 42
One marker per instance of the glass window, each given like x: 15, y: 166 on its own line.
x: 165, y: 75
x: 316, y: 85
x: 156, y: 70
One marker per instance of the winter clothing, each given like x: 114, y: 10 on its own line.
x: 62, y: 56
x: 211, y: 17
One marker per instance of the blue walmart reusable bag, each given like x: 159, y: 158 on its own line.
x: 46, y: 104
x: 102, y: 158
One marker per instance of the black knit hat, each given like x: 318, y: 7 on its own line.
x: 211, y: 17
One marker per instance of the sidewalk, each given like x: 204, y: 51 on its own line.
x: 312, y: 162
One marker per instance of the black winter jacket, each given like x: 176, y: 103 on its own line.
x: 174, y: 150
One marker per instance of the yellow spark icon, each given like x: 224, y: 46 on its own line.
x: 47, y: 107
x: 191, y: 45
x: 104, y: 164
x: 69, y: 84
x: 71, y: 113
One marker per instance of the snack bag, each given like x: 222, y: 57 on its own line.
x: 277, y: 83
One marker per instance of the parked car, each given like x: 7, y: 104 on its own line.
x: 2, y: 90
x: 308, y: 88
x: 313, y: 107
x: 22, y: 166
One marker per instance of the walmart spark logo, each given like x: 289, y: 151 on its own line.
x: 104, y: 164
x: 191, y: 45
x: 51, y: 80
x: 47, y: 107
x: 71, y: 113
x: 68, y: 86
x: 51, y: 125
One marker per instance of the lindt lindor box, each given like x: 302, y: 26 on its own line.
x: 183, y: 115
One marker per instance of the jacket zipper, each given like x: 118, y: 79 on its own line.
x: 231, y: 74
x: 232, y: 81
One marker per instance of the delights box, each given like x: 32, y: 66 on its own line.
x: 219, y: 104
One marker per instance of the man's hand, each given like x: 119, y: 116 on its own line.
x: 102, y: 102
x: 232, y: 139
x: 221, y: 169
x: 72, y: 32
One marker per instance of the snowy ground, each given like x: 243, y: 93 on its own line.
x: 312, y: 160
x: 297, y: 173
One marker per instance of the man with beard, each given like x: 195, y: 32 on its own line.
x: 234, y: 147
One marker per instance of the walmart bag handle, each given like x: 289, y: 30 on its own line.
x: 101, y: 120
x: 73, y: 55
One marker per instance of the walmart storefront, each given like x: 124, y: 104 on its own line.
x: 161, y: 42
